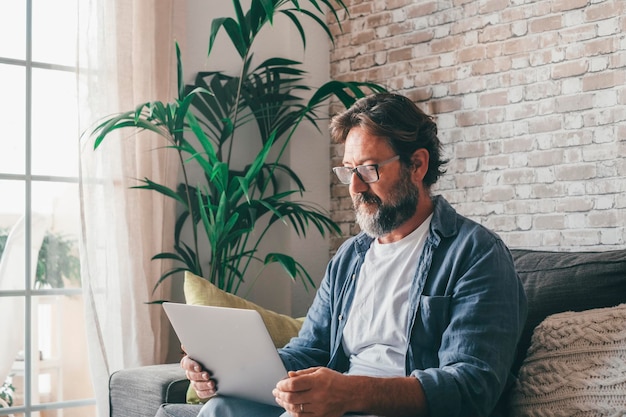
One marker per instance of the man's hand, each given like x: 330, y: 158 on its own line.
x: 313, y: 392
x: 324, y: 392
x: 200, y: 378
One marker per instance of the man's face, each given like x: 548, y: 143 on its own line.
x: 384, y: 205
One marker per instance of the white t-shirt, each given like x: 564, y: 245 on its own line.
x: 375, y: 334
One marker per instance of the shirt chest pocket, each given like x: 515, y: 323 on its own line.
x: 433, y: 317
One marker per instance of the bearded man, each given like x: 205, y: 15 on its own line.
x: 419, y: 314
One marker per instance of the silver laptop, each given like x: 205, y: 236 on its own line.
x: 234, y: 345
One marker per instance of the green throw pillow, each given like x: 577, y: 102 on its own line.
x: 199, y: 291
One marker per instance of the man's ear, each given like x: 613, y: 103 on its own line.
x: 419, y: 161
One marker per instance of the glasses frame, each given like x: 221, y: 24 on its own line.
x: 356, y: 169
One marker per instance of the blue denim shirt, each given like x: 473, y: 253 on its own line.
x: 467, y: 309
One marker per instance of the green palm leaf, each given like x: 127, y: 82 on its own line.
x: 229, y: 208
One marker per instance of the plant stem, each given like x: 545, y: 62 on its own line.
x: 237, y: 98
x: 254, y: 249
x: 194, y: 227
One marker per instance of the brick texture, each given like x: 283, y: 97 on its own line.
x: 530, y: 100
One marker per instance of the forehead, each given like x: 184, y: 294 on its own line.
x: 362, y: 146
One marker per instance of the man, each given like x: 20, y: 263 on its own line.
x: 418, y: 315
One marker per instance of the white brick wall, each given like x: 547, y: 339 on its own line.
x: 530, y: 100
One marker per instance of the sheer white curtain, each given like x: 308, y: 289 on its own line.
x: 127, y: 57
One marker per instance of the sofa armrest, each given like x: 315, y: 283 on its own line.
x: 140, y: 391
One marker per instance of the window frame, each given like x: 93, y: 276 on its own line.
x: 29, y: 293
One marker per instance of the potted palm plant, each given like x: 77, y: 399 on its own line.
x: 201, y: 125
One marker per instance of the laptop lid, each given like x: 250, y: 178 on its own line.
x: 234, y: 345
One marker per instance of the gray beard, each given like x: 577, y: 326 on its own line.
x: 387, y: 216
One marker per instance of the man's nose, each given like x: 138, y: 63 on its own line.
x: 357, y: 185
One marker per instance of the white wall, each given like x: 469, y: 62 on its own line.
x: 308, y: 154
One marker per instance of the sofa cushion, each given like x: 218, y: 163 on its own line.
x: 199, y: 291
x: 567, y: 281
x: 576, y: 366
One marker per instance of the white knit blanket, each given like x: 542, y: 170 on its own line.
x: 575, y: 366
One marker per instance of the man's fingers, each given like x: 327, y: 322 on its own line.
x: 203, y: 376
x: 297, y: 381
x: 204, y: 389
x: 195, y: 373
x: 302, y: 372
x: 190, y: 365
x: 199, y: 377
x: 187, y: 363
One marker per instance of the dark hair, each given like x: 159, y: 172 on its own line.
x: 397, y: 119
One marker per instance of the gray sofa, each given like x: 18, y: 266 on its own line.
x: 554, y: 282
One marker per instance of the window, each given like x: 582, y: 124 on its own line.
x: 44, y: 369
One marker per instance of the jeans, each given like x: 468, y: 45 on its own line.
x: 236, y: 407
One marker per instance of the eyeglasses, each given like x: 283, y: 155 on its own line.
x: 366, y: 173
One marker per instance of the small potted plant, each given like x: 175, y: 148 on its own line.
x: 7, y: 390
